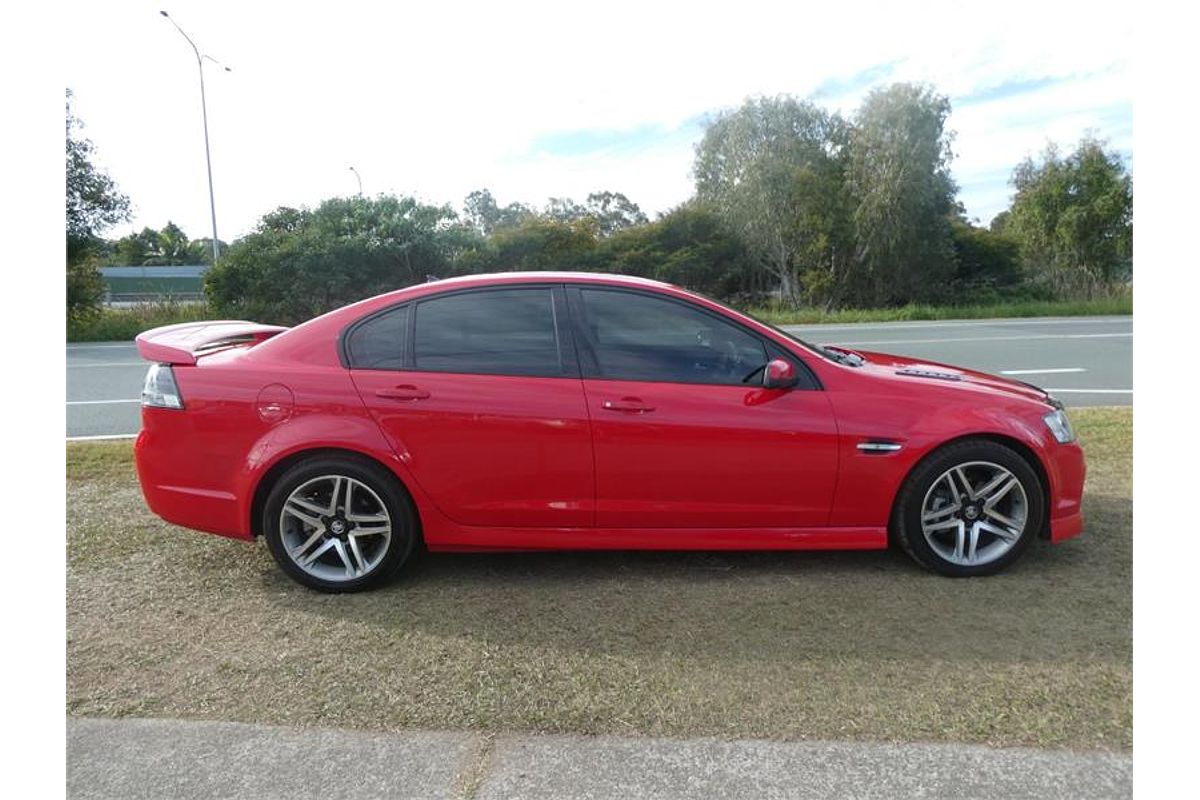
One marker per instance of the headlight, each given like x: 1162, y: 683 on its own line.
x: 1060, y: 426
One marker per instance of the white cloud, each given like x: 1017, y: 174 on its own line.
x: 439, y: 99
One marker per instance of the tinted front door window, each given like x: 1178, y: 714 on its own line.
x: 640, y: 338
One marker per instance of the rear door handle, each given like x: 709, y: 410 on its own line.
x: 628, y: 405
x: 406, y: 392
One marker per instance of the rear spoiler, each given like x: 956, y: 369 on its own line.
x: 187, y: 341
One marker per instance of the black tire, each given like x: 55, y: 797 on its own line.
x: 387, y: 558
x: 907, y: 514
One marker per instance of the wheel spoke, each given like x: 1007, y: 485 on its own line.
x: 940, y: 513
x: 966, y: 484
x: 1008, y: 536
x: 999, y: 494
x: 341, y: 551
x: 304, y: 510
x: 320, y: 551
x: 360, y: 563
x: 299, y: 551
x: 974, y: 543
x: 1007, y: 522
x: 333, y: 498
x: 301, y: 511
x: 349, y: 494
x: 365, y: 518
x: 960, y: 540
x: 944, y: 525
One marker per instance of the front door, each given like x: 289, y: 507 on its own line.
x: 684, y: 434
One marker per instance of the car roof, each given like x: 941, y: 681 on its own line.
x: 547, y: 276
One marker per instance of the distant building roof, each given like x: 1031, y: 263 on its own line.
x: 194, y: 271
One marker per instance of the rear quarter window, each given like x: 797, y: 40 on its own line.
x: 380, y: 341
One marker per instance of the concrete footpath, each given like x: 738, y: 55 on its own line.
x: 157, y: 758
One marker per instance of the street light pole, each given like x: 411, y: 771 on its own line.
x: 212, y: 203
x: 352, y: 169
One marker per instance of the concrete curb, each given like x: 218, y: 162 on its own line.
x: 144, y: 758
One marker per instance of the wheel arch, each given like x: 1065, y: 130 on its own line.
x: 263, y: 486
x: 1021, y: 448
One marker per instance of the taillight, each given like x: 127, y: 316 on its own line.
x: 160, y: 389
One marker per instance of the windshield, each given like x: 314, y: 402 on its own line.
x: 838, y: 355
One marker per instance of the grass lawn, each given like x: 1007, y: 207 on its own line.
x: 166, y: 622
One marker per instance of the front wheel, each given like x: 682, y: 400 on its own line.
x: 969, y: 509
x: 338, y: 524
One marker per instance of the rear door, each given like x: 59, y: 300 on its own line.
x: 685, y: 435
x: 479, y: 391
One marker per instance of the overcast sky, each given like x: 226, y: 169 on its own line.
x: 542, y: 100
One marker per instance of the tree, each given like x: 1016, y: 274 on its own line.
x: 537, y: 243
x: 299, y: 263
x: 900, y: 186
x: 983, y: 259
x: 613, y: 212
x: 773, y: 170
x: 1073, y: 217
x: 688, y: 246
x: 481, y: 212
x: 93, y: 200
x: 170, y: 246
x: 93, y: 204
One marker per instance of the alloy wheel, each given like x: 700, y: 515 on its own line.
x: 974, y: 513
x: 335, y: 528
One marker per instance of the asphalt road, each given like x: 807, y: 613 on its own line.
x: 1083, y: 360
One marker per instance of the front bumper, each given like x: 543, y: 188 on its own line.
x: 1067, y: 472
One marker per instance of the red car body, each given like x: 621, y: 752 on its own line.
x: 503, y: 462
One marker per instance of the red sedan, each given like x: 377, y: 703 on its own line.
x: 545, y: 411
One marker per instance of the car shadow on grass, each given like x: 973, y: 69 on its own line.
x: 1063, y: 602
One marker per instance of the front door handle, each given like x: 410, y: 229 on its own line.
x: 406, y: 392
x: 628, y: 405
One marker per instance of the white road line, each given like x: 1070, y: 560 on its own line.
x: 1033, y: 337
x: 904, y: 325
x: 109, y: 364
x: 102, y: 436
x: 1090, y: 391
x: 100, y: 402
x: 1041, y: 371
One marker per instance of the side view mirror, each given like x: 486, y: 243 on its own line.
x: 779, y: 374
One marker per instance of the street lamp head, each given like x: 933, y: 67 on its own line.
x: 165, y: 14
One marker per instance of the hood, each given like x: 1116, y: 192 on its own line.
x: 906, y: 368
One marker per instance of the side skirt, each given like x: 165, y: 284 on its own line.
x: 461, y: 538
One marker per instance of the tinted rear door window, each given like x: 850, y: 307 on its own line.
x: 496, y: 332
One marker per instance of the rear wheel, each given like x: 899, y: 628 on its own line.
x: 339, y: 524
x: 970, y: 509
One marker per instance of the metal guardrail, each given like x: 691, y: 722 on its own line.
x: 125, y: 299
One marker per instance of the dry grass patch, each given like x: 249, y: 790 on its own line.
x: 166, y: 622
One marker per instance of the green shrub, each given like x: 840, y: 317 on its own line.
x: 123, y: 324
